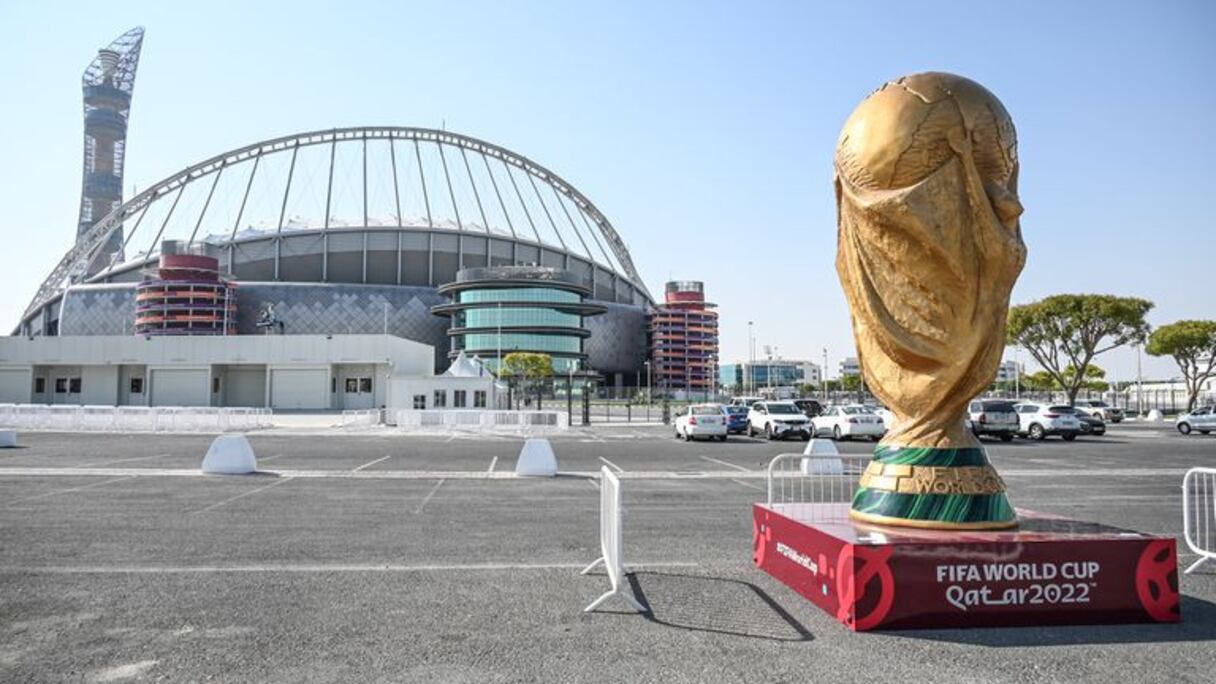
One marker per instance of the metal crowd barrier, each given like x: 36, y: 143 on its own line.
x: 356, y: 418
x: 611, y: 542
x: 796, y: 482
x: 1199, y: 514
x: 469, y: 419
x: 76, y: 418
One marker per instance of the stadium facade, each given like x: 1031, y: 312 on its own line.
x: 364, y: 230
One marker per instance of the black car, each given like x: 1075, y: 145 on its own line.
x: 1090, y: 424
x: 810, y: 407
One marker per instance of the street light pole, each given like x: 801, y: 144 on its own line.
x: 749, y: 382
x: 823, y: 376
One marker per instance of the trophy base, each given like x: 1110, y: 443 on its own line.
x: 1050, y: 571
x: 931, y: 524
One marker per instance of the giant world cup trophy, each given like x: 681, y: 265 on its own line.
x: 929, y: 249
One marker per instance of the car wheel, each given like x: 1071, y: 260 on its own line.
x: 1036, y: 432
x: 1184, y: 428
x: 807, y: 437
x: 836, y: 433
x: 687, y: 436
x: 750, y: 431
x: 1069, y: 437
x: 678, y: 433
x: 1006, y: 437
x: 1205, y: 432
x: 768, y: 431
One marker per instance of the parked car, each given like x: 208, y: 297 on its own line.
x: 1101, y: 409
x: 847, y: 422
x: 1201, y: 419
x: 778, y: 420
x: 736, y: 419
x: 993, y: 417
x: 1091, y: 424
x: 809, y: 407
x: 701, y: 420
x: 745, y: 402
x: 1038, y: 421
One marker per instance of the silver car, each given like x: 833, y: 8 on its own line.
x: 1037, y: 421
x: 993, y: 417
x: 1202, y: 420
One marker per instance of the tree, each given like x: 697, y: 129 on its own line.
x: 1193, y: 346
x: 806, y: 389
x: 529, y: 367
x: 1070, y: 330
x: 850, y: 383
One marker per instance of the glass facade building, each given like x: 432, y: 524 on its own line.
x: 499, y: 310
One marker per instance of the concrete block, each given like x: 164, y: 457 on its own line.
x: 1155, y: 416
x: 536, y: 459
x: 8, y: 439
x: 825, y: 458
x: 230, y: 455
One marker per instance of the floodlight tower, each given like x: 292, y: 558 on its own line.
x: 108, y: 84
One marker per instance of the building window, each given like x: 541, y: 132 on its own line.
x: 365, y: 385
x: 61, y: 385
x: 333, y: 385
x: 419, y: 402
x: 441, y: 399
x: 39, y: 385
x: 479, y: 398
x: 352, y: 385
x: 74, y: 386
x: 137, y: 385
x: 459, y: 399
x: 215, y: 385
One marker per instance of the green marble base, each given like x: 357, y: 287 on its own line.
x: 933, y: 488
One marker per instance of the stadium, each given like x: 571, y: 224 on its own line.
x: 364, y: 230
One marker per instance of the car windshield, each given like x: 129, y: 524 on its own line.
x: 856, y: 410
x: 707, y: 410
x: 998, y: 406
x: 782, y: 408
x: 737, y: 410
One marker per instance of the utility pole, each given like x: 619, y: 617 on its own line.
x: 1139, y: 385
x: 823, y: 376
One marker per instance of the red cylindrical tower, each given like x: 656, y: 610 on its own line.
x: 185, y: 296
x: 684, y: 339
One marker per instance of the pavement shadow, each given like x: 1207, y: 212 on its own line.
x: 1198, y: 624
x: 715, y: 605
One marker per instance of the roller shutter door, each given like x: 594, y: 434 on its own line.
x: 15, y: 386
x: 245, y: 387
x: 299, y: 388
x: 174, y: 387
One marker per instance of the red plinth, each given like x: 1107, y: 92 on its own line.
x: 1048, y: 571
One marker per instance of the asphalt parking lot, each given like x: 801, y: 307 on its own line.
x: 387, y: 557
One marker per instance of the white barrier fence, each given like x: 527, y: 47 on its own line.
x: 611, y: 541
x: 133, y: 418
x: 794, y: 481
x: 474, y: 419
x: 1199, y: 513
x: 357, y: 418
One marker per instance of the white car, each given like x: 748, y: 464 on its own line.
x: 1037, y: 421
x: 745, y: 401
x: 702, y: 420
x: 847, y: 422
x: 1202, y: 420
x: 778, y: 420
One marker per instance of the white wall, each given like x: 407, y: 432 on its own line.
x: 99, y: 385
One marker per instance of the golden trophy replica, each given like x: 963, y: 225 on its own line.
x: 929, y: 249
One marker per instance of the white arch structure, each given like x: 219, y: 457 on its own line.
x: 604, y: 246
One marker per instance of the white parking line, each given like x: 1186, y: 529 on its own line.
x: 728, y: 465
x: 120, y: 460
x: 371, y: 463
x: 242, y: 495
x: 311, y: 568
x: 428, y: 497
x: 748, y: 485
x: 493, y: 462
x: 68, y: 491
x: 612, y: 465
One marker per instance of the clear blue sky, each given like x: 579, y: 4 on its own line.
x: 704, y: 130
